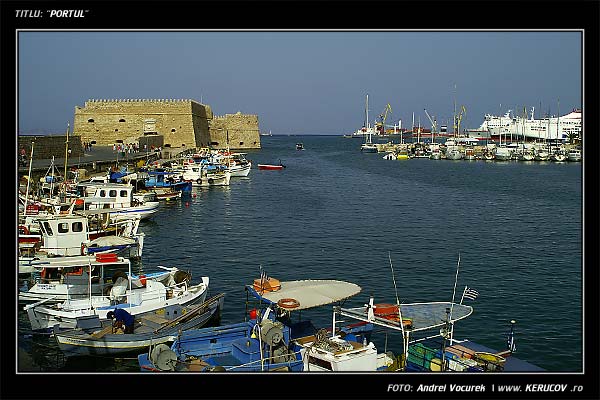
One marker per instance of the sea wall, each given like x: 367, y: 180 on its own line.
x: 47, y: 146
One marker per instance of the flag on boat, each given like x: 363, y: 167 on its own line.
x: 263, y: 277
x: 470, y: 294
x: 510, y: 342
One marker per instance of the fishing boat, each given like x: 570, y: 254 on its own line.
x: 574, y: 155
x: 503, y: 153
x: 435, y: 152
x: 299, y: 146
x: 98, y: 337
x: 118, y: 197
x: 268, y: 341
x: 279, y: 166
x: 206, y: 174
x: 559, y: 155
x: 152, y: 295
x: 238, y: 164
x: 74, y: 234
x: 427, y: 334
x: 428, y: 339
x: 453, y: 151
x: 169, y: 195
x: 160, y: 180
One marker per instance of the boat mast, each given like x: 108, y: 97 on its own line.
x: 558, y: 119
x: 66, y: 157
x: 28, y: 180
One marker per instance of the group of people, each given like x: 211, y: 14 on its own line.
x: 87, y: 146
x: 126, y: 148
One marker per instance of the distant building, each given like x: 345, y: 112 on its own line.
x: 177, y: 123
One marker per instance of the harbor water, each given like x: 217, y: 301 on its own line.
x: 335, y: 213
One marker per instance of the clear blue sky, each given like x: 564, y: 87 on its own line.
x: 301, y: 82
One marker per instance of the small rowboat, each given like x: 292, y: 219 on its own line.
x: 270, y: 167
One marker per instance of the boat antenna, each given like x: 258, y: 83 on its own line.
x: 405, y: 338
x: 453, y: 294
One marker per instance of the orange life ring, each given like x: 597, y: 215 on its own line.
x: 23, y: 230
x: 288, y: 303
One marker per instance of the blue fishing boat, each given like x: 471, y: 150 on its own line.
x: 266, y: 342
x: 164, y: 180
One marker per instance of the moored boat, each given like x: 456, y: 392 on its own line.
x: 574, y: 155
x: 279, y: 166
x: 151, y: 296
x: 100, y: 338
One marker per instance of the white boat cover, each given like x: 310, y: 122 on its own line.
x: 424, y: 316
x: 103, y: 241
x: 313, y: 293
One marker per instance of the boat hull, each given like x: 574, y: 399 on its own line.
x: 80, y: 342
x: 270, y: 167
x: 67, y: 316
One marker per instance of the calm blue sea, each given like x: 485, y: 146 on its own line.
x: 335, y: 213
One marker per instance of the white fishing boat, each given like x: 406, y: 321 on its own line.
x: 58, y: 279
x: 574, y: 155
x: 559, y: 155
x: 73, y: 234
x: 118, y: 197
x: 151, y: 296
x: 206, y: 174
x: 453, y: 151
x: 503, y: 153
x: 434, y: 151
x: 238, y: 164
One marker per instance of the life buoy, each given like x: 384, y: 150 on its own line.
x: 211, y: 180
x: 199, y: 181
x: 288, y: 303
x: 83, y: 249
x: 143, y: 280
x: 23, y: 230
x: 390, y: 312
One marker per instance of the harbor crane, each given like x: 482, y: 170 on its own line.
x: 433, y: 122
x: 459, y: 118
x: 383, y: 117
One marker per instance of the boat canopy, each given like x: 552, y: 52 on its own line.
x: 424, y: 316
x: 309, y: 293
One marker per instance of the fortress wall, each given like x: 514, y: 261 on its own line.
x: 180, y: 122
x: 242, y: 129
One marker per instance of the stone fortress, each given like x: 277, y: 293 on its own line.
x: 164, y: 122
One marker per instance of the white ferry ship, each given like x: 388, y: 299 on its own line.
x: 552, y: 128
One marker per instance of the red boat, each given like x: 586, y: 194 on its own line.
x: 269, y: 166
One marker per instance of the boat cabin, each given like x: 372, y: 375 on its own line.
x: 106, y: 195
x: 63, y: 235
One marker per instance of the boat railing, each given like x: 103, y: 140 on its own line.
x: 267, y: 361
